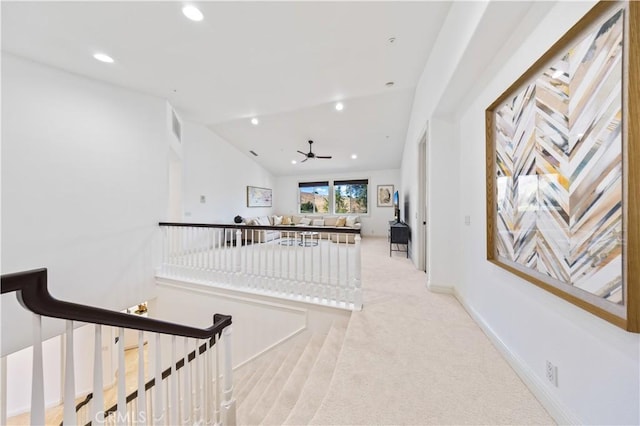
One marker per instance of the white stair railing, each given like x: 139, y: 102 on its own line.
x: 312, y: 264
x: 167, y: 399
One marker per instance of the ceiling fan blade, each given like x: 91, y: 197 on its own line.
x: 303, y: 153
x: 323, y: 156
x: 304, y: 160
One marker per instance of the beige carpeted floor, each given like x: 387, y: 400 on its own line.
x: 416, y: 357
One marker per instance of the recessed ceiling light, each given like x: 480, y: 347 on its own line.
x: 294, y: 162
x: 193, y: 13
x: 354, y: 156
x: 339, y: 106
x: 255, y: 121
x: 103, y: 58
x: 392, y: 39
x: 389, y: 83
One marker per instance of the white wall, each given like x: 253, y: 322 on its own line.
x: 443, y: 166
x: 84, y: 183
x: 443, y: 211
x: 599, y: 374
x: 374, y: 224
x: 259, y: 322
x: 219, y: 171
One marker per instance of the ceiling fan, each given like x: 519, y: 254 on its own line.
x: 310, y: 154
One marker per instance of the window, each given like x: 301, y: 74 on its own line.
x: 350, y: 196
x: 314, y: 197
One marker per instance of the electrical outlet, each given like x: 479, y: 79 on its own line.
x: 203, y: 199
x: 552, y: 373
x: 467, y: 220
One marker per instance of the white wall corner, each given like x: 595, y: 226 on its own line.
x: 556, y: 409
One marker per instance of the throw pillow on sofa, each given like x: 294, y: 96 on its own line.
x: 342, y: 221
x: 330, y: 220
x: 305, y: 221
x: 277, y: 220
x: 317, y: 222
x: 263, y: 221
x: 286, y: 220
x: 351, y: 220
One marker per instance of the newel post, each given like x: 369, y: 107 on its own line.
x: 357, y: 275
x: 228, y: 407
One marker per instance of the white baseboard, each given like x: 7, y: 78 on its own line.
x: 444, y: 289
x: 556, y: 409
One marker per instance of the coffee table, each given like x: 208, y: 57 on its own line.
x: 308, y: 239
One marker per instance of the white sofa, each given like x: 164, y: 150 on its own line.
x: 329, y: 221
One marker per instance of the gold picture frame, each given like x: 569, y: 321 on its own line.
x: 563, y: 168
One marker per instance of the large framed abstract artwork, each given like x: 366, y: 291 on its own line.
x: 563, y: 168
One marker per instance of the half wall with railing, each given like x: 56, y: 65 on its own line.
x: 195, y: 389
x: 319, y: 265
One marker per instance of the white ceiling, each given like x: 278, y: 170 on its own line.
x: 283, y: 62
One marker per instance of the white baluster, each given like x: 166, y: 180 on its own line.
x: 97, y: 404
x: 208, y: 389
x: 37, y: 381
x: 212, y: 251
x: 173, y: 382
x: 296, y: 276
x: 158, y: 409
x: 237, y: 264
x: 69, y: 416
x: 122, y: 389
x: 202, y: 247
x: 216, y: 351
x: 141, y: 411
x: 319, y: 285
x: 186, y: 419
x: 357, y: 280
x: 197, y: 396
x: 3, y: 390
x: 229, y: 404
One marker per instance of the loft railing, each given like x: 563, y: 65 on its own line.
x: 312, y: 264
x: 197, y: 396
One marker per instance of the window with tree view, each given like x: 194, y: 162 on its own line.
x: 350, y: 196
x: 314, y: 197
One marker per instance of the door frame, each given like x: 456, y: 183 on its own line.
x: 422, y: 228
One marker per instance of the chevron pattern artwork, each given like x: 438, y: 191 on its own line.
x: 558, y: 147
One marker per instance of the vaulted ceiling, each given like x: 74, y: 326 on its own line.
x: 285, y: 63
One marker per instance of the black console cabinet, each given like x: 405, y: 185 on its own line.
x: 398, y: 235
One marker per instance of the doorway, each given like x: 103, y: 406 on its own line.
x: 423, y: 200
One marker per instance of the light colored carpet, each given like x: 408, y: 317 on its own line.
x: 416, y: 357
x: 317, y: 383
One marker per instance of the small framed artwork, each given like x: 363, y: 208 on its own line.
x: 385, y: 195
x: 563, y: 156
x: 258, y: 197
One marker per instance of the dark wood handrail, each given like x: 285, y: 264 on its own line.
x: 32, y: 292
x: 290, y: 228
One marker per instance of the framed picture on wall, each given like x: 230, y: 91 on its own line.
x: 563, y: 161
x: 258, y: 197
x: 385, y: 195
